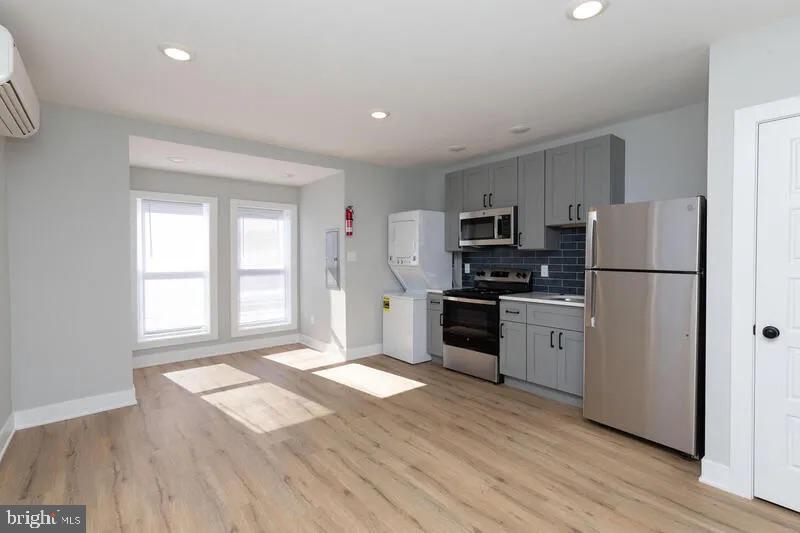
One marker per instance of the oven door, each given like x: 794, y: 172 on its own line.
x: 472, y: 324
x: 488, y: 227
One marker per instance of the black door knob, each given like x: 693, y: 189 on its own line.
x: 770, y: 332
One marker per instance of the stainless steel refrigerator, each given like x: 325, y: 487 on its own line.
x: 643, y: 321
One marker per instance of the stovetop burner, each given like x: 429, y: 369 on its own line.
x: 490, y: 285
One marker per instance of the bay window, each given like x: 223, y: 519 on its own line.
x: 175, y: 268
x: 263, y: 267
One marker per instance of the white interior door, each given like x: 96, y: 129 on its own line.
x: 777, y: 367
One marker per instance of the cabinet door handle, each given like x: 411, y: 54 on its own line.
x: 570, y: 211
x: 484, y: 200
x: 578, y: 211
x: 490, y: 199
x: 551, y: 339
x: 519, y: 239
x: 512, y: 312
x: 560, y: 336
x: 501, y: 330
x: 441, y: 319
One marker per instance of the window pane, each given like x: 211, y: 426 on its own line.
x: 174, y: 304
x: 262, y: 299
x: 261, y: 242
x: 175, y: 236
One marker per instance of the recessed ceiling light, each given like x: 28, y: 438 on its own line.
x: 379, y: 114
x: 175, y: 52
x: 586, y: 9
x: 519, y: 129
x: 289, y: 174
x: 457, y: 148
x: 176, y: 159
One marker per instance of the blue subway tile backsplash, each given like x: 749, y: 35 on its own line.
x: 565, y: 264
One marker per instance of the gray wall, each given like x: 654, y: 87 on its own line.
x: 368, y: 277
x: 745, y: 70
x: 5, y: 347
x: 665, y: 156
x: 323, y: 311
x: 69, y: 259
x: 68, y: 198
x: 224, y: 190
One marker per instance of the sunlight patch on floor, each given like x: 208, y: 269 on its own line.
x: 306, y: 358
x: 206, y: 378
x: 370, y: 380
x: 266, y: 407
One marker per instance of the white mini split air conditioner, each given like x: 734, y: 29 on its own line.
x: 19, y: 107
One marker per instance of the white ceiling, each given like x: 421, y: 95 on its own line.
x: 306, y: 73
x: 152, y: 153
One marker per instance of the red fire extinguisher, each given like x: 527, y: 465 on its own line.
x: 348, y: 221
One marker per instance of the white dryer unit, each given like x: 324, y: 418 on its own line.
x: 419, y: 261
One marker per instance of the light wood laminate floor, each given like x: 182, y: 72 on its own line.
x: 246, y: 443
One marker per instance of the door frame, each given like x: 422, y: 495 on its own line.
x: 740, y: 478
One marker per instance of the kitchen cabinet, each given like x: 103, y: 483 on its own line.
x: 582, y: 175
x: 513, y: 349
x: 490, y: 186
x: 542, y: 344
x: 476, y: 188
x: 533, y: 234
x: 435, y: 309
x: 454, y: 204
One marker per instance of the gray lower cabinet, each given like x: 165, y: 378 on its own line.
x: 542, y: 357
x: 570, y: 363
x: 454, y: 202
x: 435, y: 330
x: 513, y: 350
x: 476, y: 188
x: 532, y: 232
x: 542, y: 344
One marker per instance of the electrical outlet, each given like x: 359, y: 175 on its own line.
x: 545, y: 271
x: 466, y: 268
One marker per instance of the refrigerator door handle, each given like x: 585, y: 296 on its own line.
x: 591, y: 239
x: 588, y: 315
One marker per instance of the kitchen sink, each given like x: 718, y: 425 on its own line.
x: 566, y: 298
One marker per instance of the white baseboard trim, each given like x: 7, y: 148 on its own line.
x: 56, y: 412
x: 349, y: 354
x: 6, y: 433
x: 364, y: 351
x: 320, y: 346
x: 715, y: 474
x: 187, y: 354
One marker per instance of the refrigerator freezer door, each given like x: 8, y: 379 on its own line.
x: 641, y: 355
x: 663, y: 235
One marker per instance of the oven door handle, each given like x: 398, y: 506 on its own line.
x: 469, y: 300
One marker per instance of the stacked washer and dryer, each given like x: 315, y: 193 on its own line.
x: 418, y: 260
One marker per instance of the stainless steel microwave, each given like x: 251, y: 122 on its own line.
x: 489, y: 227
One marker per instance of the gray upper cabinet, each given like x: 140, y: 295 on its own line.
x: 601, y: 173
x: 513, y: 349
x: 533, y: 234
x: 454, y: 203
x: 476, y: 188
x: 561, y: 185
x: 490, y: 186
x: 503, y: 180
x: 582, y: 175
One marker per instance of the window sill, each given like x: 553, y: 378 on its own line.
x: 144, y: 344
x: 261, y: 330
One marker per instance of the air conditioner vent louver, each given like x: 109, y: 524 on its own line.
x: 19, y: 107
